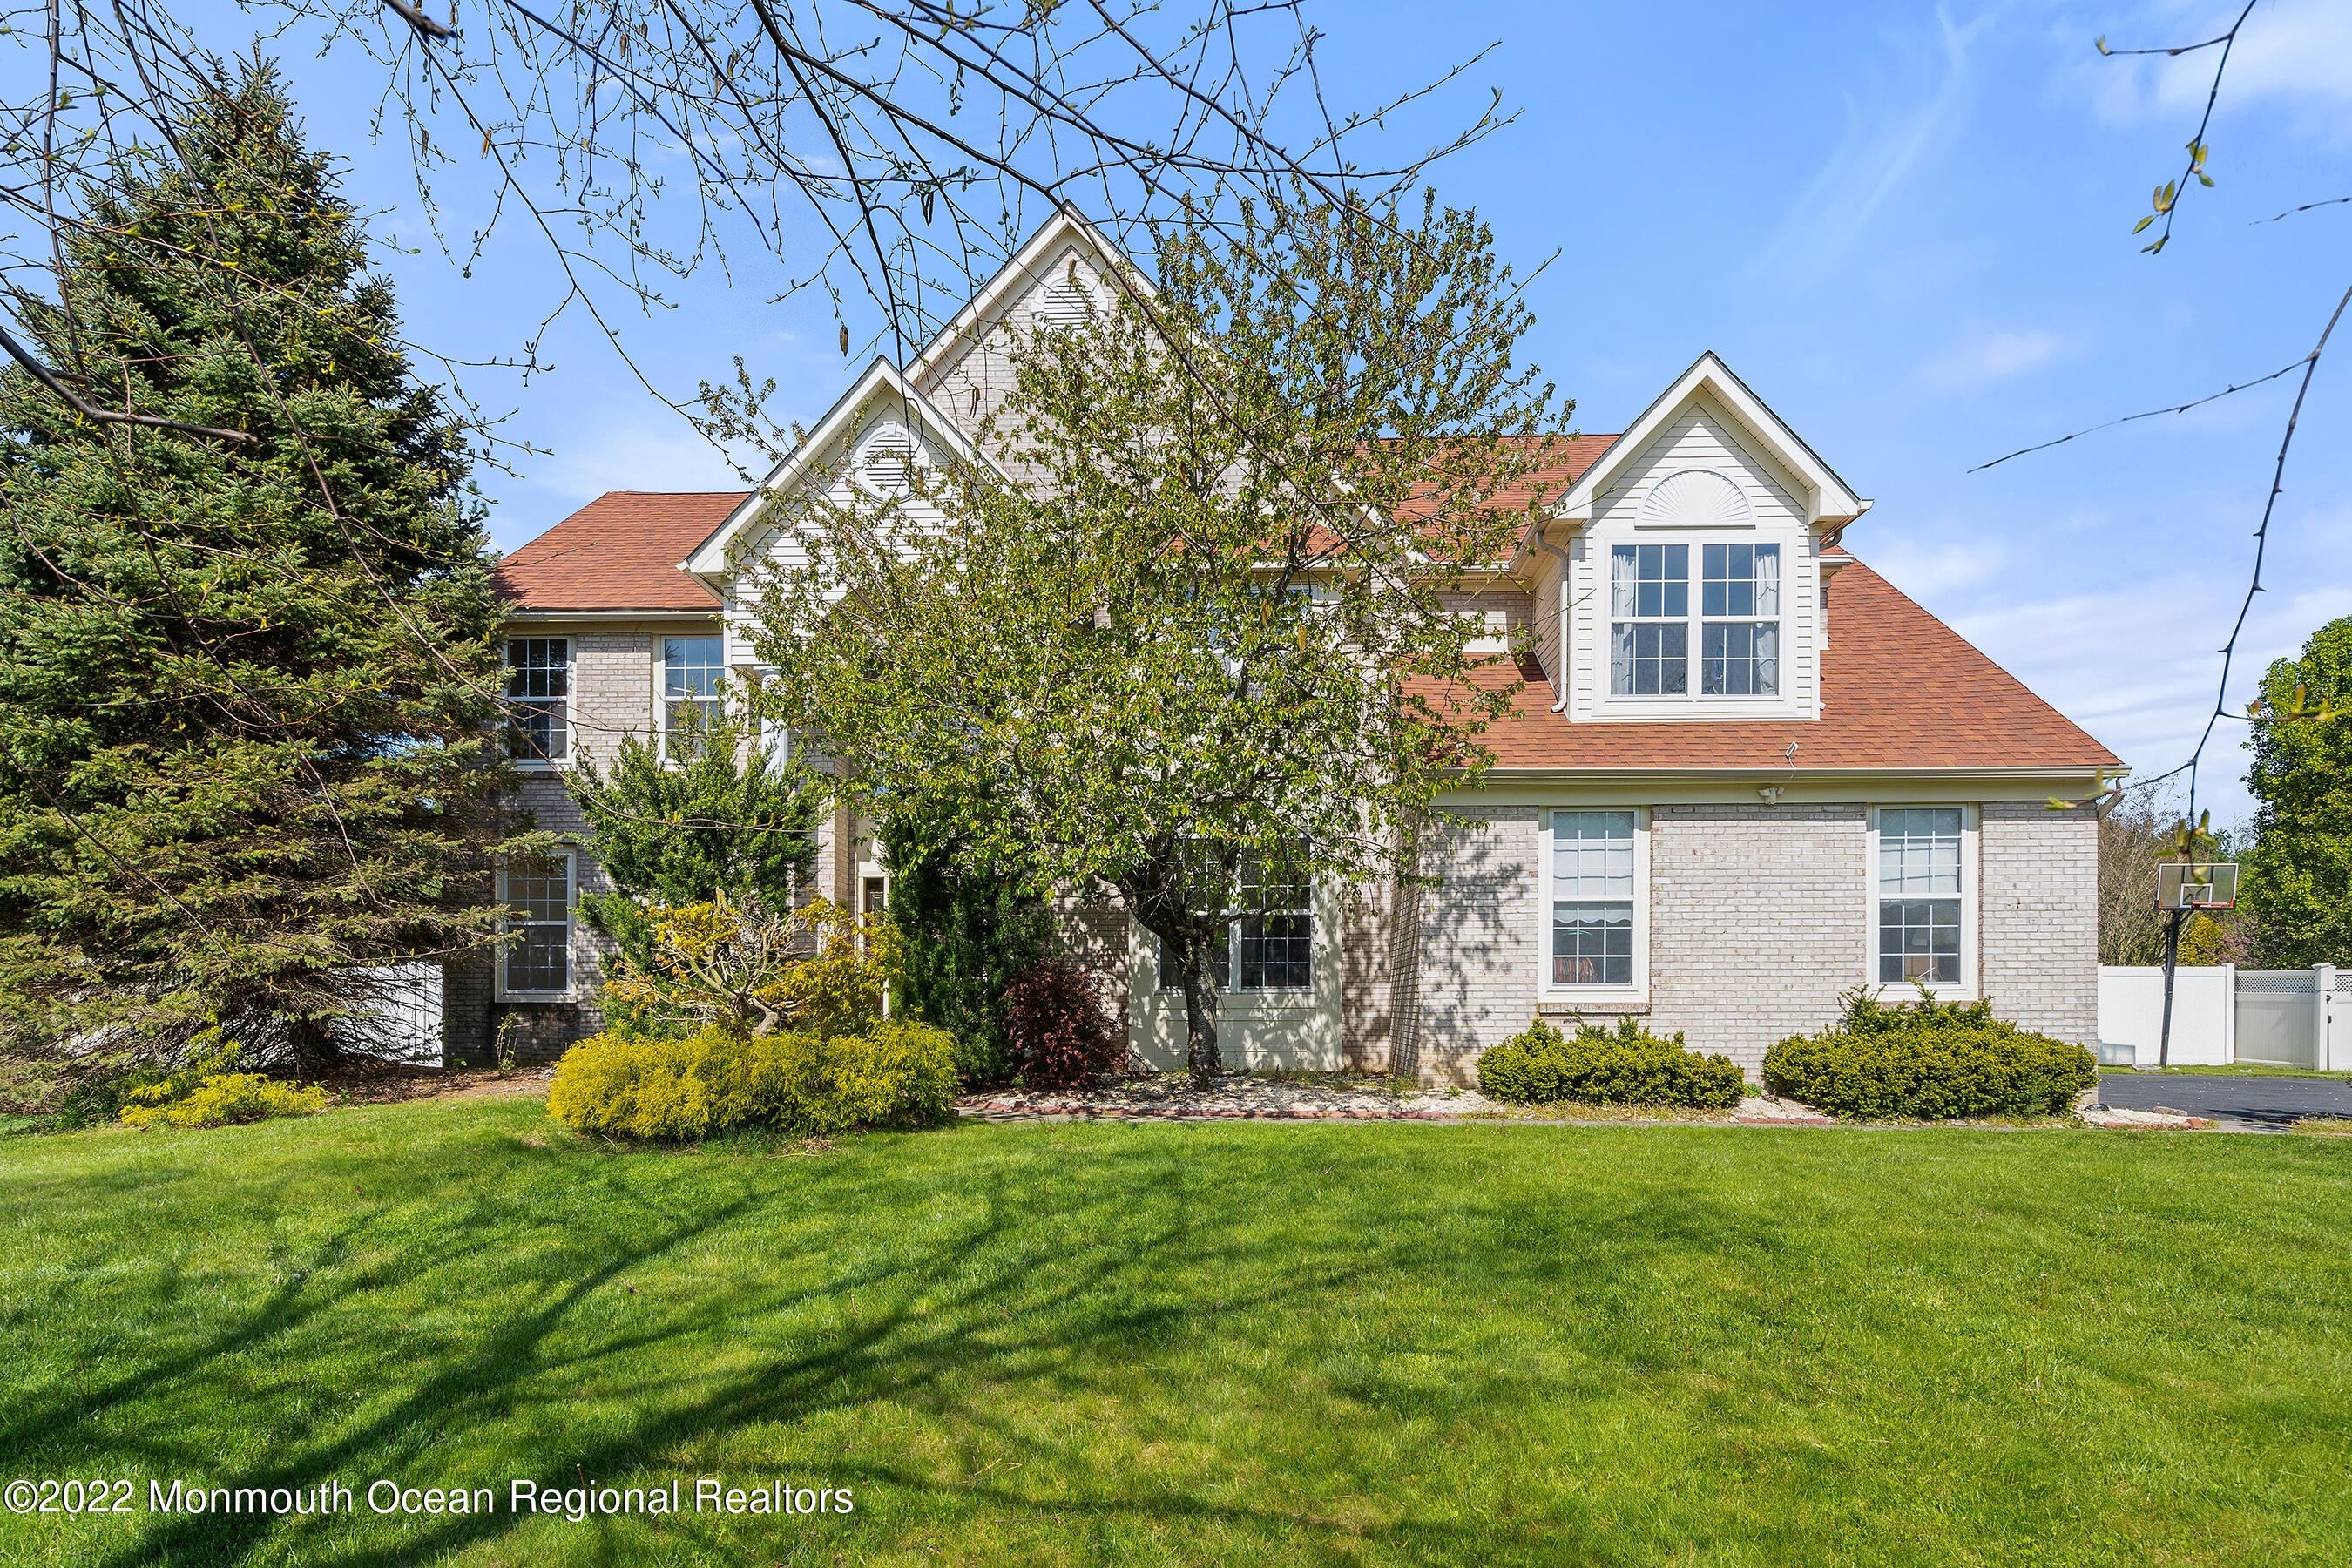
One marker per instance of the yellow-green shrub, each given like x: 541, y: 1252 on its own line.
x: 894, y: 1074
x: 220, y: 1099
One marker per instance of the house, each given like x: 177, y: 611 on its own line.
x: 1748, y: 773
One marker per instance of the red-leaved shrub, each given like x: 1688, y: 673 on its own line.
x: 1055, y: 1023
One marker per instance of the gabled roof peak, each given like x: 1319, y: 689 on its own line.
x: 1829, y: 502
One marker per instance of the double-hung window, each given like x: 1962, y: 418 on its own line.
x: 539, y: 697
x: 691, y: 670
x: 1592, y: 898
x: 1919, y: 894
x: 1267, y: 941
x: 1649, y: 611
x: 538, y: 897
x: 1740, y: 610
x: 1739, y: 620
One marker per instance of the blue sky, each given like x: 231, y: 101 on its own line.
x: 1907, y: 227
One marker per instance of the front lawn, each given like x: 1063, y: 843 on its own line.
x: 1192, y: 1343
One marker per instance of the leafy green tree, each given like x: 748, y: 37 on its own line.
x: 247, y: 679
x: 729, y: 821
x: 1200, y: 652
x: 971, y: 932
x: 2299, y: 870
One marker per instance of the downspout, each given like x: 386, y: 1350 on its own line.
x: 1558, y: 675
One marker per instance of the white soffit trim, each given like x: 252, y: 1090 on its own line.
x: 1827, y: 501
x: 1027, y: 269
x: 882, y: 383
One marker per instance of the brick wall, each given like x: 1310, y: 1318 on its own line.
x: 1477, y: 949
x: 1759, y: 917
x: 2039, y: 916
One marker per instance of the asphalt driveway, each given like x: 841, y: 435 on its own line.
x: 2250, y: 1100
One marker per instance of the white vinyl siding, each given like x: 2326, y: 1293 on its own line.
x: 1702, y: 438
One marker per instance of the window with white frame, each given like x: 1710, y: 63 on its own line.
x: 1649, y: 609
x: 1740, y: 610
x: 539, y: 697
x: 1592, y: 898
x: 1267, y: 942
x: 1738, y: 623
x: 692, y: 668
x: 1919, y: 893
x: 538, y: 897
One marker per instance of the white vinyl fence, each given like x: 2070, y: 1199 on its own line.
x: 2221, y: 1013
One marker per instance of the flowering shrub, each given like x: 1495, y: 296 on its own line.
x: 1630, y: 1065
x: 892, y: 1074
x: 219, y: 1099
x: 740, y: 967
x: 1053, y: 1018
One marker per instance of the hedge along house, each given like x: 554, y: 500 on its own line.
x: 1748, y: 774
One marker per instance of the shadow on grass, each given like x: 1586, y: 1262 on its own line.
x: 1056, y: 1287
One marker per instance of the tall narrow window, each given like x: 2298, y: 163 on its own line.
x: 1919, y: 894
x: 1592, y: 898
x: 537, y: 896
x: 691, y: 670
x: 1740, y: 603
x: 1648, y: 631
x: 1267, y: 940
x: 539, y: 696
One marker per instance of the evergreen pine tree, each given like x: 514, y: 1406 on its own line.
x: 969, y: 935
x: 247, y: 688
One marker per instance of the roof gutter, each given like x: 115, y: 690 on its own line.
x: 1535, y: 534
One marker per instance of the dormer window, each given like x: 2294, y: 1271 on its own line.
x: 1649, y: 636
x: 1740, y: 604
x: 1739, y: 620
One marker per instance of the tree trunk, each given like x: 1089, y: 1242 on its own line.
x: 1200, y: 1013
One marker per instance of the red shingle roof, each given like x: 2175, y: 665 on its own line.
x: 620, y: 551
x: 1899, y: 689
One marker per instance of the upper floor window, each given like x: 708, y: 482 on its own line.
x: 1739, y: 606
x: 1592, y: 897
x: 1919, y: 869
x: 539, y: 694
x: 1739, y: 620
x: 1649, y: 605
x: 691, y: 670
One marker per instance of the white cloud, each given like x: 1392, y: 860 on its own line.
x: 1884, y: 140
x: 1928, y: 571
x: 2296, y: 53
x: 2137, y: 663
x: 1984, y: 355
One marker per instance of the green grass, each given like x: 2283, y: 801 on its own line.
x: 1378, y: 1343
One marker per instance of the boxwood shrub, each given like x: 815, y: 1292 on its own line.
x: 1627, y: 1066
x: 894, y: 1073
x: 1930, y: 1060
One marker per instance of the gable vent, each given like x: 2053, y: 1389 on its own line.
x: 1064, y: 304
x: 1695, y: 497
x: 889, y: 460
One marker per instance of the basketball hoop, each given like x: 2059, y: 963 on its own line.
x: 2188, y: 885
